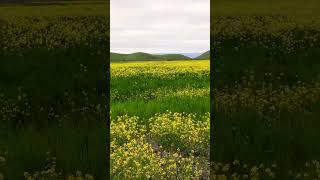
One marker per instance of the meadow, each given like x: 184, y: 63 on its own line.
x: 160, y: 119
x: 53, y: 91
x: 265, y: 89
x: 72, y: 8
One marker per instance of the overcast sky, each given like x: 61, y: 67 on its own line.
x: 160, y: 26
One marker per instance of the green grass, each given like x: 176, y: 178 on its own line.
x: 75, y: 149
x: 145, y: 94
x: 39, y: 120
x: 146, y: 110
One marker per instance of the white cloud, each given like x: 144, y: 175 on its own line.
x: 160, y: 26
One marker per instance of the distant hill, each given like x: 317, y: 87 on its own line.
x: 140, y: 56
x: 191, y: 55
x: 205, y: 55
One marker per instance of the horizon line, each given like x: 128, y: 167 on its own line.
x: 158, y: 52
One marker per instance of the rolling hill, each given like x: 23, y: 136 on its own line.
x: 205, y: 55
x: 140, y: 56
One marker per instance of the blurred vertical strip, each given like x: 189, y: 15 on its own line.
x: 212, y: 87
x: 108, y: 99
x: 265, y: 91
x: 54, y: 89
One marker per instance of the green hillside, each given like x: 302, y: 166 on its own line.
x: 140, y: 56
x: 205, y: 55
x: 172, y: 57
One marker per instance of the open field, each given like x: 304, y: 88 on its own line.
x: 53, y: 92
x: 266, y: 89
x: 160, y: 119
x: 297, y: 8
x: 60, y: 8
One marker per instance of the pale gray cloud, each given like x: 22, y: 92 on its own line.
x: 160, y: 26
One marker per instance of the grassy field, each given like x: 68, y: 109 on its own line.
x: 160, y: 120
x: 265, y: 89
x: 53, y: 95
x: 60, y: 8
x: 297, y: 8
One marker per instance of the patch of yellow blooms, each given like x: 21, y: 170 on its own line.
x: 152, y: 150
x: 168, y: 69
